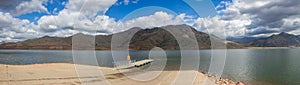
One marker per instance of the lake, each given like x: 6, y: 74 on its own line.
x: 253, y: 66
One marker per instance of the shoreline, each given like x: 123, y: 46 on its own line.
x: 65, y: 74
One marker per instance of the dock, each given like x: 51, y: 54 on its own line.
x: 135, y: 64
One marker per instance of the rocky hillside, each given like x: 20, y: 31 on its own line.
x: 143, y: 39
x: 280, y: 40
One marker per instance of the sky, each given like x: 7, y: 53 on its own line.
x: 27, y: 19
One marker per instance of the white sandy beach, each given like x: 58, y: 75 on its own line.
x: 65, y: 74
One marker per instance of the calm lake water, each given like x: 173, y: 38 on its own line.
x: 253, y: 66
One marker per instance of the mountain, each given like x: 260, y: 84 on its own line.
x: 143, y: 39
x: 45, y: 42
x: 281, y: 40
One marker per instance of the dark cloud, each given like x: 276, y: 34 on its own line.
x: 3, y: 36
x: 272, y: 14
x: 48, y: 30
x: 262, y: 17
x: 261, y: 31
x: 68, y: 28
x: 19, y: 37
x: 266, y: 24
x: 19, y: 7
x: 9, y: 5
x: 103, y: 31
x: 294, y: 26
x: 295, y: 23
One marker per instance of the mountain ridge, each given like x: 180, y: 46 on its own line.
x: 280, y: 40
x: 143, y: 39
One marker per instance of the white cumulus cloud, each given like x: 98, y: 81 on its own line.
x: 12, y: 29
x: 30, y: 6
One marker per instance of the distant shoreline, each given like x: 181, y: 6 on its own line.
x: 272, y: 47
x: 166, y: 49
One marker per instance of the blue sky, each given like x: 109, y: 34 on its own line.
x: 119, y: 10
x: 52, y: 6
x: 176, y: 6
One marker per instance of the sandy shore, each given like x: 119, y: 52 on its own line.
x: 65, y: 74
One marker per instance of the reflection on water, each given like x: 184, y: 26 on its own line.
x: 254, y: 66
